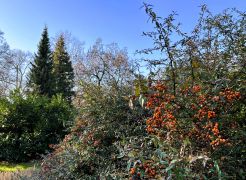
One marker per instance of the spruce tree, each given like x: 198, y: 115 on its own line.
x: 63, y: 70
x: 41, y: 80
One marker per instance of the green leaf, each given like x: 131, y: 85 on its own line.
x: 169, y: 167
x: 129, y: 164
x: 121, y: 155
x: 187, y: 141
x: 217, y: 169
x: 132, y: 154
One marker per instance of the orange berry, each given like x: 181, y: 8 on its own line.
x: 211, y: 114
x: 132, y: 171
x: 196, y: 88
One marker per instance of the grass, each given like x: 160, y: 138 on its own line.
x: 9, y: 167
x: 11, y: 171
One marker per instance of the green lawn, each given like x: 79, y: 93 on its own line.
x: 8, y: 167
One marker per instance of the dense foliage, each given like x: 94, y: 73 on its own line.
x: 63, y: 71
x: 32, y: 120
x: 29, y: 124
x: 198, y: 133
x: 197, y: 99
x: 41, y: 79
x: 186, y: 120
x: 91, y: 149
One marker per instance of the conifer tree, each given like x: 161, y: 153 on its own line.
x: 63, y: 70
x: 41, y: 80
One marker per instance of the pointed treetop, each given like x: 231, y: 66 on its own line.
x: 63, y: 70
x: 44, y: 44
x: 41, y: 78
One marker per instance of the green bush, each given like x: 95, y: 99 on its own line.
x: 91, y: 150
x: 29, y: 124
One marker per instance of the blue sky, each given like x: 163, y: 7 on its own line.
x: 120, y: 21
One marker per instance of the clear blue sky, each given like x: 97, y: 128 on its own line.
x: 120, y: 21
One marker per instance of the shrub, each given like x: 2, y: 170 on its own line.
x: 195, y: 118
x: 197, y: 133
x: 91, y: 150
x: 29, y: 124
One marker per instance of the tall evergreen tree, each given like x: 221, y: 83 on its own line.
x: 41, y: 79
x: 63, y: 70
